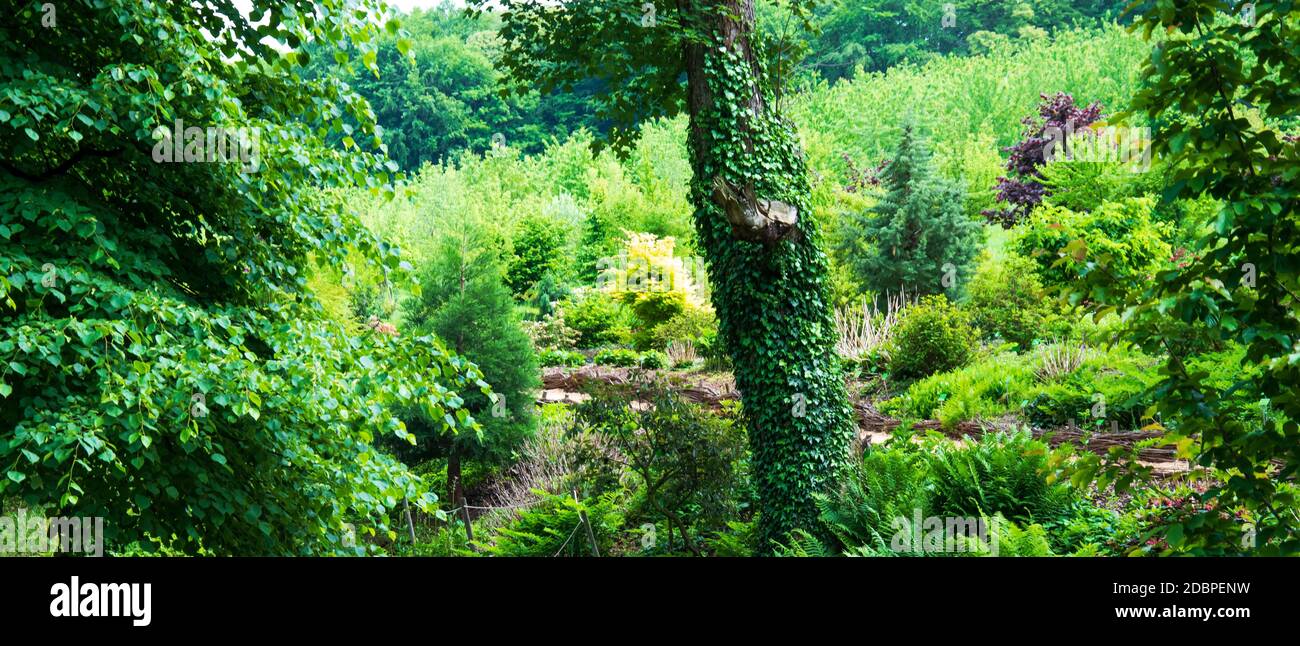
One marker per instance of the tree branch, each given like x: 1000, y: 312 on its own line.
x: 61, y: 168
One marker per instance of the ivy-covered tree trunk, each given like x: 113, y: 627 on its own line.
x: 751, y: 198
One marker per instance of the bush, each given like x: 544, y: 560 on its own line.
x: 932, y: 336
x: 538, y: 246
x: 1007, y: 301
x: 551, y: 332
x: 993, y: 387
x: 654, y: 360
x: 685, y: 459
x: 1086, y: 185
x: 554, y: 528
x: 617, y: 357
x: 698, y: 325
x: 556, y: 357
x: 598, y: 319
x: 1120, y: 238
x: 652, y: 309
x: 995, y: 479
x: 891, y: 482
x: 1107, y: 386
x: 1023, y: 190
x: 998, y: 473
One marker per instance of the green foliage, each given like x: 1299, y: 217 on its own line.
x: 917, y: 239
x: 537, y: 252
x: 771, y: 299
x: 738, y: 540
x: 166, y: 368
x: 998, y: 473
x: 996, y: 477
x: 684, y: 457
x: 555, y: 527
x: 1007, y: 301
x: 598, y: 319
x: 999, y: 384
x: 932, y: 336
x: 436, y: 93
x: 695, y: 324
x: 1087, y: 185
x: 875, y: 35
x: 963, y: 99
x: 1221, y: 102
x: 617, y: 357
x: 1109, y: 386
x: 653, y: 309
x: 1118, y: 239
x: 1016, y: 541
x: 888, y: 484
x: 464, y: 301
x: 653, y: 360
x: 556, y: 357
x: 551, y: 332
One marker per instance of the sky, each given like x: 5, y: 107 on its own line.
x: 404, y: 5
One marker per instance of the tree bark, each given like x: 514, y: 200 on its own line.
x: 769, y: 289
x: 454, y: 489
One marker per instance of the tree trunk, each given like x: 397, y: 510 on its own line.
x: 751, y: 198
x: 454, y: 489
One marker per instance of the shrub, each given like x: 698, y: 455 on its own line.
x: 652, y: 309
x: 537, y: 252
x: 864, y: 329
x: 617, y: 357
x: 998, y: 473
x: 1023, y: 190
x: 932, y: 336
x: 697, y: 325
x: 890, y: 482
x: 1119, y: 238
x: 1007, y: 300
x: 598, y: 319
x: 1014, y: 541
x: 685, y: 458
x: 654, y: 360
x: 556, y: 357
x: 554, y: 527
x: 1086, y: 185
x: 465, y: 302
x: 897, y: 481
x: 993, y: 387
x: 1107, y: 386
x: 551, y: 332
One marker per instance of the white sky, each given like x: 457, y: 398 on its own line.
x: 404, y: 5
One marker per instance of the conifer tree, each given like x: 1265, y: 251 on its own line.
x: 465, y: 302
x: 917, y: 239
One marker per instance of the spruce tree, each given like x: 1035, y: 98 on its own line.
x: 465, y: 302
x: 917, y: 239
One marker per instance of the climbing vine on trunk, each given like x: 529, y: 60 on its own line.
x: 751, y: 197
